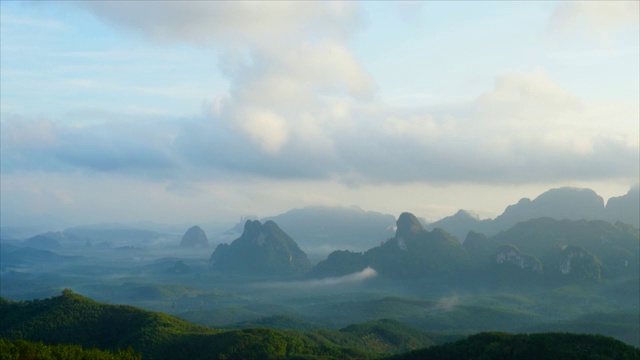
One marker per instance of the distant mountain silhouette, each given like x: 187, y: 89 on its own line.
x: 263, y: 249
x: 625, y: 208
x: 544, y: 250
x: 14, y: 256
x: 83, y: 235
x: 562, y: 203
x: 322, y: 229
x: 416, y: 252
x: 194, y: 238
x: 576, y: 248
x: 47, y: 241
x: 412, y: 252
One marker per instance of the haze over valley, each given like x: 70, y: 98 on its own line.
x: 321, y: 180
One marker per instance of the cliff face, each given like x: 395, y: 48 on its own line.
x: 625, y: 208
x: 510, y: 255
x: 416, y: 252
x: 263, y: 249
x: 578, y: 262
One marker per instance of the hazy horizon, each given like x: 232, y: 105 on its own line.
x: 197, y: 112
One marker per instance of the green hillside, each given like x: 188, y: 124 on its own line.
x: 27, y: 350
x: 614, y: 248
x: 71, y: 319
x: 74, y: 319
x: 527, y: 346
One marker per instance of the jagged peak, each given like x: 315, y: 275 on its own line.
x: 467, y: 214
x: 408, y: 225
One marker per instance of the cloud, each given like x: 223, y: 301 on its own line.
x: 229, y: 23
x: 526, y: 129
x: 356, y: 277
x: 594, y: 18
x: 44, y: 145
x: 301, y: 105
x: 284, y: 59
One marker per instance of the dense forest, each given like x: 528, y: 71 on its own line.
x: 71, y: 326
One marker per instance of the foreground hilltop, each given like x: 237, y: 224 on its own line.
x: 74, y: 319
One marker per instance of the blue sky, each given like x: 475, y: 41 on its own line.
x: 203, y: 111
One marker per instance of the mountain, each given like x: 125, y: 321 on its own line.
x: 46, y: 241
x: 412, y: 252
x: 263, y: 249
x: 461, y: 223
x: 542, y: 250
x: 415, y: 252
x: 625, y: 208
x: 19, y: 257
x: 496, y: 345
x: 338, y: 263
x: 74, y: 319
x: 576, y: 248
x: 87, y: 235
x: 561, y: 203
x: 322, y: 229
x: 22, y: 349
x: 194, y: 237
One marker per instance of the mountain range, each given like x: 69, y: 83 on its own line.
x: 542, y: 250
x: 561, y: 203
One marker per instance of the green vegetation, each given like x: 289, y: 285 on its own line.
x: 528, y: 346
x: 42, y: 326
x: 614, y: 247
x: 73, y: 319
x: 27, y: 350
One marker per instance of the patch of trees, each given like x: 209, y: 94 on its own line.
x: 495, y: 345
x: 27, y: 350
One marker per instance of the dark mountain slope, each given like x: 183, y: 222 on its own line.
x: 413, y: 252
x: 558, y: 243
x: 561, y: 203
x: 263, y: 249
x: 194, y: 237
x: 625, y: 208
x: 74, y: 319
x: 528, y: 346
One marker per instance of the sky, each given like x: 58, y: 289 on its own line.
x: 187, y: 112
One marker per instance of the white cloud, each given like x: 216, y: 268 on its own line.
x: 526, y: 129
x: 594, y: 18
x: 230, y: 23
x: 285, y: 60
x: 350, y: 279
x: 266, y: 128
x: 302, y: 107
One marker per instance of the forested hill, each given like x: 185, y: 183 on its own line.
x: 75, y: 320
x: 528, y: 346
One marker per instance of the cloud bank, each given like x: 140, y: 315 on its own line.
x: 525, y: 129
x: 302, y: 106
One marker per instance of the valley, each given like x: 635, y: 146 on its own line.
x: 425, y: 286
